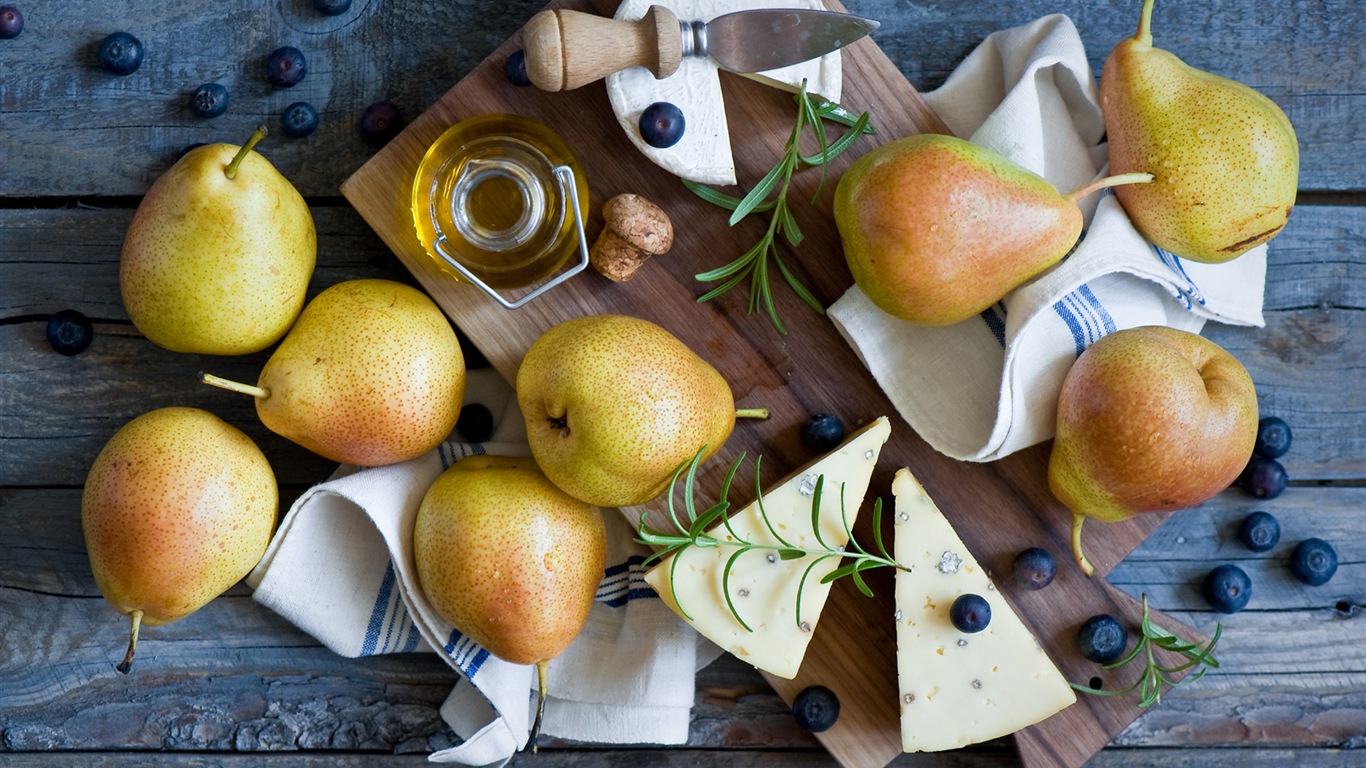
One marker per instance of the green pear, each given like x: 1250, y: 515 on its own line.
x: 615, y: 404
x: 178, y: 506
x: 936, y: 229
x: 218, y: 255
x: 1225, y: 157
x: 371, y: 374
x: 509, y: 559
x: 1150, y: 419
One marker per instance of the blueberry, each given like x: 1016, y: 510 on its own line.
x: 970, y: 613
x: 121, y: 53
x: 1034, y: 568
x: 11, y: 22
x: 209, y: 100
x: 332, y: 7
x: 514, y: 69
x: 1263, y: 478
x: 823, y: 432
x: 816, y: 708
x: 381, y: 122
x: 1314, y: 562
x: 1259, y: 532
x: 661, y: 124
x: 1227, y: 589
x: 69, y: 332
x: 1102, y: 639
x: 1273, y: 438
x: 299, y: 119
x: 475, y: 423
x: 286, y: 66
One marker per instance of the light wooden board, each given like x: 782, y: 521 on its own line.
x: 999, y: 509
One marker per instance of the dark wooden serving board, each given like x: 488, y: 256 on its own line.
x: 998, y: 508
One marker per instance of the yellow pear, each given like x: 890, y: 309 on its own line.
x: 371, y: 374
x: 509, y: 559
x: 1225, y: 157
x: 1150, y: 419
x: 218, y: 255
x: 614, y: 404
x: 936, y: 229
x: 178, y: 506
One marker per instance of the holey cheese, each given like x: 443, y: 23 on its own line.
x: 763, y: 586
x: 956, y: 688
x: 703, y: 153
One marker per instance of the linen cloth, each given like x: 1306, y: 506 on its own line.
x: 988, y: 386
x: 341, y: 568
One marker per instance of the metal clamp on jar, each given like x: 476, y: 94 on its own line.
x: 496, y: 202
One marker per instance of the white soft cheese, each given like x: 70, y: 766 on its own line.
x: 955, y: 688
x: 703, y: 154
x: 764, y: 590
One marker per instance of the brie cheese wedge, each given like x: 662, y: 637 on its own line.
x: 763, y: 587
x: 703, y: 154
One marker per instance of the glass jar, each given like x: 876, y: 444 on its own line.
x: 497, y: 202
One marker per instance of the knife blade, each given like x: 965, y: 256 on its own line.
x: 569, y: 49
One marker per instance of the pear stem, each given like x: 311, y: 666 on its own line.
x: 541, y: 667
x: 1085, y: 565
x: 234, y: 386
x: 751, y: 413
x: 1145, y: 24
x: 1138, y: 177
x: 257, y: 135
x: 127, y: 663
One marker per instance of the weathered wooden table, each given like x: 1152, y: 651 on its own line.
x: 236, y: 685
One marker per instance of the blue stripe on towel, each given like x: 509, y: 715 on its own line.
x: 1074, y: 325
x: 994, y: 317
x: 624, y: 582
x: 1190, y: 291
x: 467, y: 655
x: 1106, y: 321
x: 378, y: 613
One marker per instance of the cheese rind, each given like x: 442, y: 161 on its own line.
x: 763, y: 588
x: 956, y: 688
x: 703, y: 154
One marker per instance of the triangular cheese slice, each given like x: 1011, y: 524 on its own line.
x: 955, y: 688
x: 703, y: 154
x: 763, y: 588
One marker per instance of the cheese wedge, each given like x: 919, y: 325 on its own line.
x: 763, y: 587
x: 703, y: 154
x: 956, y: 688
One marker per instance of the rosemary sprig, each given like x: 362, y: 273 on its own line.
x: 1154, y: 677
x: 694, y: 534
x: 754, y: 263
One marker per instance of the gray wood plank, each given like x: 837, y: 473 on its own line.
x: 59, y: 411
x: 62, y: 112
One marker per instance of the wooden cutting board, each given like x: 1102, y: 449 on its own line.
x: 999, y: 508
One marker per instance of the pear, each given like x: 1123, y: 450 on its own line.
x: 614, y: 404
x: 1150, y: 419
x: 218, y: 256
x: 371, y: 374
x: 936, y: 229
x: 1225, y: 157
x: 509, y: 559
x: 178, y: 506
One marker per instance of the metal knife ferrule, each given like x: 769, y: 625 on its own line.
x: 694, y: 38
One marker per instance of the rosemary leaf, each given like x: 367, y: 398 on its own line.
x: 770, y: 194
x: 725, y: 587
x: 1153, y: 677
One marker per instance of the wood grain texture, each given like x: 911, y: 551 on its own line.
x: 411, y: 51
x: 235, y: 685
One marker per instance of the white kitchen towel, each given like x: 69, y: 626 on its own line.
x: 341, y: 568
x: 988, y: 386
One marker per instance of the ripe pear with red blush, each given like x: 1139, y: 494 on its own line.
x: 1150, y: 419
x: 936, y: 229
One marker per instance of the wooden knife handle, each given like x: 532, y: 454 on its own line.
x: 568, y: 49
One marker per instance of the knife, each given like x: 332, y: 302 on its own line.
x: 569, y: 49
